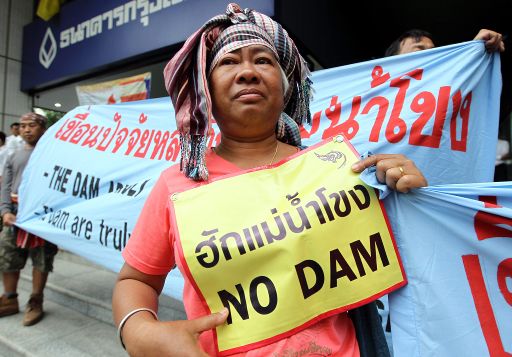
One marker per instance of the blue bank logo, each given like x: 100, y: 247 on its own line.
x: 48, y: 49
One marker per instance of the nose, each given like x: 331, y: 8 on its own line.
x: 248, y: 73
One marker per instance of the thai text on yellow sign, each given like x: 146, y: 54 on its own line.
x: 284, y: 245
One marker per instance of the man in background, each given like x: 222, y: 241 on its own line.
x: 14, y: 141
x: 418, y: 40
x: 16, y: 245
x: 3, y: 154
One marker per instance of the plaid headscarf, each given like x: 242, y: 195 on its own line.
x: 186, y: 79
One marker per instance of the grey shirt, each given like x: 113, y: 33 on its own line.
x: 11, y: 177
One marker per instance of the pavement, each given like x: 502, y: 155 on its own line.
x: 78, y: 314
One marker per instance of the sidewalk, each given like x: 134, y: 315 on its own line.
x: 78, y: 320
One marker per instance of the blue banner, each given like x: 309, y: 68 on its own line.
x: 456, y: 248
x: 90, y: 173
x: 440, y: 107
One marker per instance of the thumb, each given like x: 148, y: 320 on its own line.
x: 210, y: 321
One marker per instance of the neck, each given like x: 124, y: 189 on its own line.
x: 246, y: 154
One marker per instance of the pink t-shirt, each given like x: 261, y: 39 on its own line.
x: 151, y: 250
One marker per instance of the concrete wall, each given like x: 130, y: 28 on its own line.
x: 14, y: 14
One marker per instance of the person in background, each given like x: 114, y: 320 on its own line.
x: 502, y: 161
x: 15, y: 140
x: 3, y: 154
x: 418, y: 40
x: 16, y: 245
x: 3, y: 158
x: 242, y: 69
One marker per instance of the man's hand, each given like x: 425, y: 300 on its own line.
x: 8, y: 219
x: 493, y: 40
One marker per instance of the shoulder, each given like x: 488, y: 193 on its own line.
x: 173, y: 180
x: 10, y: 155
x: 176, y: 181
x: 22, y: 152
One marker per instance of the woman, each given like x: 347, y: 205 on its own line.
x: 252, y: 80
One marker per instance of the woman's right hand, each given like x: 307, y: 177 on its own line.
x: 145, y: 336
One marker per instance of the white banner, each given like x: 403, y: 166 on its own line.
x: 121, y: 90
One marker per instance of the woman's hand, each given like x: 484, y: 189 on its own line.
x: 397, y: 171
x: 148, y: 337
x: 143, y: 335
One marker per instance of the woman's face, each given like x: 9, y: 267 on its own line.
x: 247, y: 93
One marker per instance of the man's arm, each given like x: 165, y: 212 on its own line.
x: 6, y: 207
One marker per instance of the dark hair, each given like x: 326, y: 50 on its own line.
x: 417, y: 34
x: 14, y: 124
x: 2, y: 137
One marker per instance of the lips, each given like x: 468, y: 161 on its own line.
x: 249, y: 93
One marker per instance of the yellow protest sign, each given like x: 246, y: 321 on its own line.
x: 285, y: 246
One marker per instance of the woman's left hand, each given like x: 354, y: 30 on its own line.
x: 395, y: 170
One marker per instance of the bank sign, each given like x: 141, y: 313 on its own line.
x: 89, y: 35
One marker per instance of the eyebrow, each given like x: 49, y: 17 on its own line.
x: 255, y: 49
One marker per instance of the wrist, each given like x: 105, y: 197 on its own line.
x: 130, y: 326
x: 140, y: 336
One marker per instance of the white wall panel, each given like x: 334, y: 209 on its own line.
x: 16, y: 102
x: 2, y: 81
x: 3, y: 26
x: 21, y: 15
